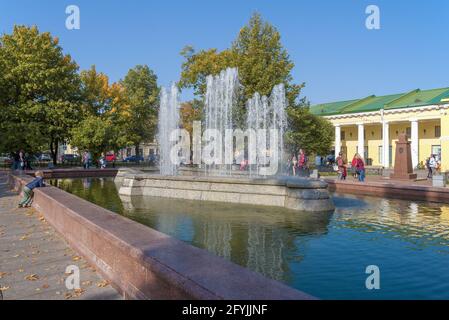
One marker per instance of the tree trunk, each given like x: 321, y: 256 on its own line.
x: 137, y: 145
x: 54, y: 151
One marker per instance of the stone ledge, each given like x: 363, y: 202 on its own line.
x: 144, y: 263
x: 290, y: 192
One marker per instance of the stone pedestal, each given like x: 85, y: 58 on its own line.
x: 439, y: 180
x: 403, y: 167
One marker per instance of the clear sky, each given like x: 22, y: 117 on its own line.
x: 334, y: 53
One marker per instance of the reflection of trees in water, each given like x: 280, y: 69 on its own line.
x: 260, y: 238
x: 101, y: 191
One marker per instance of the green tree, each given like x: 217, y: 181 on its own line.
x: 95, y: 134
x: 142, y: 95
x: 105, y: 114
x: 257, y: 53
x: 263, y: 63
x: 40, y: 91
x: 307, y: 131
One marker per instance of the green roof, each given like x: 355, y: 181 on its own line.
x: 413, y: 98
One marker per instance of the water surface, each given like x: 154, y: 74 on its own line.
x: 324, y: 254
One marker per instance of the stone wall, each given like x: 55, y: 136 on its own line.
x: 143, y: 263
x: 290, y: 192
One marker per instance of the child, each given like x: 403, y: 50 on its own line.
x: 28, y: 189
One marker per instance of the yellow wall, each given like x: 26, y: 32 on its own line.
x: 398, y: 123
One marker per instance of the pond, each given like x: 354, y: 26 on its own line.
x: 323, y: 254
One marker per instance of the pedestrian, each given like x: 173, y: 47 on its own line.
x: 432, y: 166
x: 86, y: 159
x: 360, y: 166
x: 429, y: 169
x: 102, y: 161
x: 341, y: 167
x: 28, y: 193
x: 21, y: 160
x: 294, y: 163
x: 302, y: 162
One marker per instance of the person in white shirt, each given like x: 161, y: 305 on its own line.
x: 432, y: 165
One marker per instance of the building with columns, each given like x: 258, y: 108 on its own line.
x: 371, y: 126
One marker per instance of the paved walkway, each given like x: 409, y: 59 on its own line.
x: 34, y: 257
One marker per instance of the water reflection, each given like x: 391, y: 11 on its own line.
x: 259, y: 238
x: 323, y: 254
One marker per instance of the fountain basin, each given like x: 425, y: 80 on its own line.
x: 294, y: 193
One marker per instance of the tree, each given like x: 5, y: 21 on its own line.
x: 105, y: 112
x: 190, y: 111
x: 40, y: 91
x: 95, y: 134
x: 257, y: 53
x: 263, y: 63
x: 307, y: 131
x: 142, y: 94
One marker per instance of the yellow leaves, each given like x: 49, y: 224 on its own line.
x: 4, y: 288
x: 32, y: 277
x: 103, y: 284
x: 76, y: 258
x: 41, y: 218
x: 2, y: 274
x: 75, y: 294
x: 24, y: 237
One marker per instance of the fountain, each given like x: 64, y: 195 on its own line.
x: 168, y: 122
x: 265, y: 117
x: 221, y: 97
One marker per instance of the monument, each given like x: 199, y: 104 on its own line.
x: 403, y: 168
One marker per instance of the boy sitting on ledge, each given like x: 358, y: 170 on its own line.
x: 28, y: 193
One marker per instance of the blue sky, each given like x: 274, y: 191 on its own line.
x: 334, y: 54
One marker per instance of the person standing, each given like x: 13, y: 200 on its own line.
x: 302, y: 162
x: 360, y: 166
x: 294, y: 163
x: 86, y: 159
x: 341, y: 167
x: 22, y: 160
x: 432, y: 166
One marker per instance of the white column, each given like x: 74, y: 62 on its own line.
x: 361, y: 142
x: 414, y: 142
x: 386, y: 144
x: 337, y: 140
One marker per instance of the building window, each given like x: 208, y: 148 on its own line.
x: 408, y: 132
x: 437, y: 131
x: 343, y: 135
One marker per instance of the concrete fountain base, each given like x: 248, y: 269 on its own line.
x: 290, y: 192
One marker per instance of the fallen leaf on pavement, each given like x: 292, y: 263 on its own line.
x: 3, y: 274
x: 103, y: 283
x: 4, y: 288
x: 76, y: 258
x: 32, y: 277
x: 24, y: 237
x: 78, y: 292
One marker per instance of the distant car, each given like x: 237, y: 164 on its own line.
x: 69, y: 158
x: 110, y: 157
x: 44, y: 157
x: 5, y: 160
x: 134, y: 159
